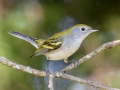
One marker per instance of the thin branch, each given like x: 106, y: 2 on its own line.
x: 20, y: 67
x: 52, y: 75
x: 88, y: 82
x: 50, y: 86
x: 103, y: 47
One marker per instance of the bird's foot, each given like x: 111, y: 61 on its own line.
x: 66, y: 61
x: 74, y: 62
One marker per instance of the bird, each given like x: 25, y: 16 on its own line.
x: 61, y: 45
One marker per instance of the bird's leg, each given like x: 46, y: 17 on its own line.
x: 66, y: 60
x: 73, y: 61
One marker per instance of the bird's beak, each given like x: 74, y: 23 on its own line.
x: 93, y: 30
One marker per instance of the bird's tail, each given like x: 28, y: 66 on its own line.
x: 25, y: 37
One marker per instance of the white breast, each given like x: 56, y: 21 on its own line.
x: 66, y: 50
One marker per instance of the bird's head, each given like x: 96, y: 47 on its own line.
x: 82, y: 30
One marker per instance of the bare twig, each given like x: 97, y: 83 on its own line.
x: 52, y: 75
x: 20, y: 67
x: 88, y: 82
x: 50, y: 86
x: 103, y: 47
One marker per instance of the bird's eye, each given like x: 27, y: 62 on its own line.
x: 82, y: 29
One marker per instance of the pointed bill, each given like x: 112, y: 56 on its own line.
x: 94, y: 30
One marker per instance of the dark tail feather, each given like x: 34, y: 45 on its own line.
x: 24, y: 37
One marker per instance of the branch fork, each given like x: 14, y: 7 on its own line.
x: 61, y: 74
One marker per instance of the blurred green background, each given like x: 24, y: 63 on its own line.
x: 43, y: 18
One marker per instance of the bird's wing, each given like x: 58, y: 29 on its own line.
x: 52, y: 43
x: 39, y: 51
x: 35, y: 42
x: 48, y: 45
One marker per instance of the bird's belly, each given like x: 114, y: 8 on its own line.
x: 62, y: 53
x: 57, y: 55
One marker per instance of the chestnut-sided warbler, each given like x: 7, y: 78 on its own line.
x: 61, y: 45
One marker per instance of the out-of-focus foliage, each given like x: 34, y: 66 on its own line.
x: 43, y: 18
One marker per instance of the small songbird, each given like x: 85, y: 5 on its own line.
x: 61, y: 45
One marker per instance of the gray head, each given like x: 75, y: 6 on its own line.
x: 81, y: 30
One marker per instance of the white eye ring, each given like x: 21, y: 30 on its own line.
x: 82, y: 29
